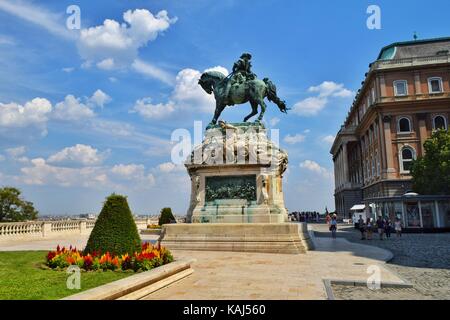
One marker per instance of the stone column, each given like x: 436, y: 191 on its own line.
x: 46, y: 229
x: 345, y: 159
x: 382, y: 86
x: 422, y: 131
x: 82, y: 225
x: 417, y: 85
x: 388, y: 146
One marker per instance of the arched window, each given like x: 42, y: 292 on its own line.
x: 404, y: 125
x: 407, y: 155
x: 439, y: 122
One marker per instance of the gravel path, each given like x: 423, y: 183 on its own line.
x: 421, y: 259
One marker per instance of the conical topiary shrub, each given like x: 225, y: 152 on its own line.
x: 166, y: 216
x: 115, y: 230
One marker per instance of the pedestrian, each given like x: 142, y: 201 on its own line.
x: 380, y: 226
x: 387, y: 228
x: 333, y: 226
x: 362, y: 227
x: 398, y: 227
x: 328, y: 219
x: 369, y: 229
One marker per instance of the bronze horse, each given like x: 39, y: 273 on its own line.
x: 253, y: 91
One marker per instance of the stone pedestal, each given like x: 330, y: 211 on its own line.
x: 236, y: 176
x: 285, y: 238
x: 237, y: 201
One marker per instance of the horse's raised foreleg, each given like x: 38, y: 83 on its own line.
x: 217, y: 113
x: 254, y: 111
x: 263, y: 110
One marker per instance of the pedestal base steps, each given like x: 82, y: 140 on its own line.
x: 285, y: 238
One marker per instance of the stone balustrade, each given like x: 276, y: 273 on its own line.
x: 48, y: 229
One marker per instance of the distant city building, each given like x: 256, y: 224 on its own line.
x: 404, y: 97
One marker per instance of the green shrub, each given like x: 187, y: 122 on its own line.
x: 166, y: 216
x: 115, y: 230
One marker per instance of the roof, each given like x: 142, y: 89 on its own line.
x: 415, y: 48
x: 358, y: 207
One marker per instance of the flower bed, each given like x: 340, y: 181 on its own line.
x: 153, y: 226
x: 148, y: 258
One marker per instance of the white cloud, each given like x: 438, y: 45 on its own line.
x: 100, y: 98
x: 294, y: 139
x: 148, y: 110
x: 41, y: 173
x: 310, y: 106
x: 274, y: 121
x: 79, y: 154
x: 106, y: 64
x: 112, y: 79
x: 16, y: 152
x: 329, y: 139
x: 34, y: 113
x: 314, y: 167
x: 68, y: 69
x: 187, y: 95
x: 313, y: 105
x: 330, y: 88
x: 6, y: 41
x: 2, y: 158
x: 118, y: 177
x: 149, y: 70
x: 32, y: 13
x: 71, y: 109
x: 120, y: 42
x: 129, y: 170
x: 168, y: 167
x: 133, y: 172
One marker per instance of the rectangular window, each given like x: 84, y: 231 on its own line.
x: 428, y: 213
x: 412, y: 215
x: 435, y: 85
x: 401, y: 88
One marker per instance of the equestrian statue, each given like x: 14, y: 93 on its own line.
x: 240, y: 87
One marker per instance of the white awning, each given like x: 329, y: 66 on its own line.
x: 358, y: 207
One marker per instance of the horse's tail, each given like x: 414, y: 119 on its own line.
x: 273, y: 97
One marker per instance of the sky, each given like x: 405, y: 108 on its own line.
x: 87, y: 111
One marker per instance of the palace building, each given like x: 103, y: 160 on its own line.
x: 404, y: 97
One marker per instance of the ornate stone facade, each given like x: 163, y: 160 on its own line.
x: 405, y: 96
x: 236, y: 176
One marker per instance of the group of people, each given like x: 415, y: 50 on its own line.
x: 383, y: 226
x: 306, y: 216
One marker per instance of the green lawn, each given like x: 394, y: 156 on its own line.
x: 23, y: 277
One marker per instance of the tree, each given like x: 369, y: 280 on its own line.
x: 166, y: 216
x: 115, y: 230
x: 13, y: 208
x: 431, y: 173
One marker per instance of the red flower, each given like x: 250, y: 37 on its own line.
x: 88, y: 260
x: 51, y: 255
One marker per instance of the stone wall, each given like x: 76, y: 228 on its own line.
x: 52, y: 229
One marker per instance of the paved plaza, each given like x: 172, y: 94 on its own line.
x: 421, y: 259
x: 235, y: 276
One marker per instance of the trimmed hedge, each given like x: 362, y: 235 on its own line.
x: 166, y: 216
x: 115, y: 230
